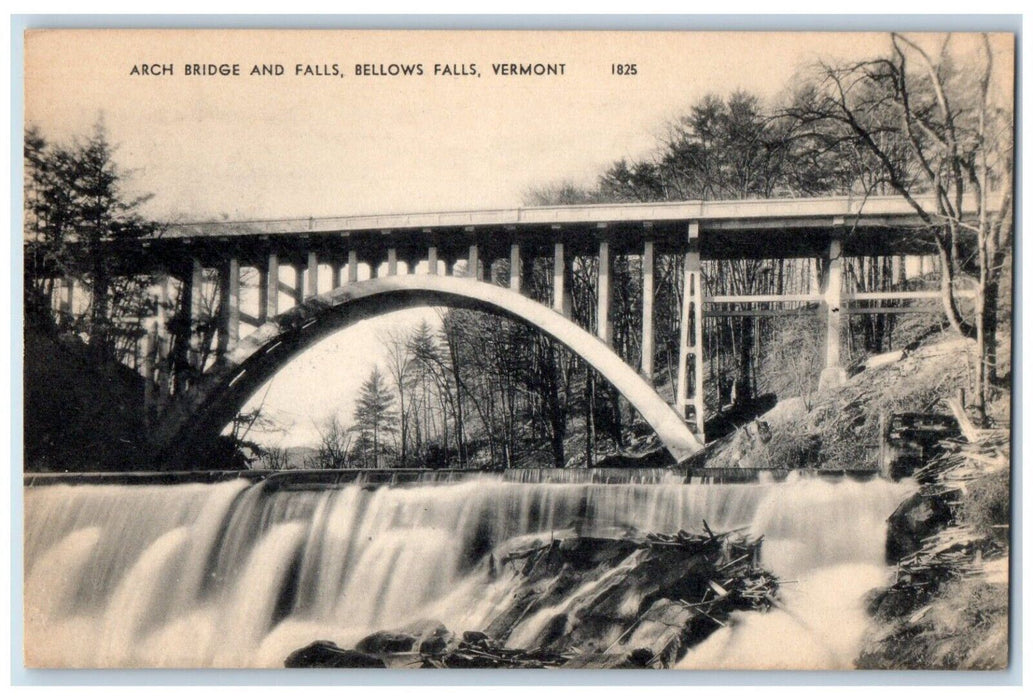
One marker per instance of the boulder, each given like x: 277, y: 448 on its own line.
x: 476, y: 638
x: 324, y: 654
x: 387, y: 642
x: 916, y: 518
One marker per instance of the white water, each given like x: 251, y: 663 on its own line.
x: 234, y: 575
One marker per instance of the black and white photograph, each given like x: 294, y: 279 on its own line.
x: 527, y: 349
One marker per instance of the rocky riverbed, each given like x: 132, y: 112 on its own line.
x: 583, y: 600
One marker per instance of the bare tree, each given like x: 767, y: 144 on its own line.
x: 937, y: 123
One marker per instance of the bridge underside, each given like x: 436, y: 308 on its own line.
x: 193, y: 422
x: 827, y: 236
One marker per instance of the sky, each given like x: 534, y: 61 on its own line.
x: 310, y: 145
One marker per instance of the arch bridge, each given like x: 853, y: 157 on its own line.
x: 325, y: 292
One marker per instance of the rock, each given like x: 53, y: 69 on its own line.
x: 476, y: 637
x: 639, y: 658
x: 437, y: 641
x: 915, y: 519
x: 661, y: 630
x: 324, y: 654
x: 386, y: 642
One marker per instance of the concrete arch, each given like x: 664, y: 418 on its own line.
x: 196, y: 418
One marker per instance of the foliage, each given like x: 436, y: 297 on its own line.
x: 375, y: 418
x: 76, y: 208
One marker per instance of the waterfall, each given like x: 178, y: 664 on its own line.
x: 239, y: 574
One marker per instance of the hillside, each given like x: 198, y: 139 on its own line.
x: 78, y: 416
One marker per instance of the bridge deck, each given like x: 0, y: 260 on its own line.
x: 760, y: 228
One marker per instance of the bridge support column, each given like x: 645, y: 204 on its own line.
x: 312, y: 276
x: 473, y: 263
x: 353, y: 266
x: 196, y: 290
x: 151, y: 356
x: 646, y: 363
x: 272, y: 282
x: 603, y: 327
x: 559, y: 280
x: 161, y: 329
x: 432, y: 260
x: 392, y: 262
x: 515, y: 267
x: 263, y: 294
x: 229, y: 306
x: 66, y: 299
x: 690, y: 395
x: 833, y: 374
x: 335, y: 275
x: 449, y: 266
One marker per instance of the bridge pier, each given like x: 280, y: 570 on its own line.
x: 473, y: 263
x: 312, y: 276
x: 66, y: 300
x: 272, y: 280
x: 392, y: 262
x: 646, y: 362
x: 603, y: 327
x: 515, y: 267
x: 559, y: 289
x: 353, y: 267
x: 229, y: 306
x: 833, y: 374
x: 195, y: 292
x: 432, y: 260
x: 689, y: 396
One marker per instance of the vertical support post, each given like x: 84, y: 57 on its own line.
x: 335, y: 275
x: 161, y: 327
x: 66, y: 299
x: 473, y: 263
x: 392, y: 262
x: 432, y: 260
x: 229, y: 305
x: 312, y: 276
x: 196, y: 301
x: 263, y: 294
x: 558, y: 279
x: 603, y: 327
x: 833, y: 374
x: 515, y: 267
x: 272, y: 285
x: 150, y: 351
x: 646, y: 363
x: 449, y: 266
x: 353, y: 266
x: 689, y: 394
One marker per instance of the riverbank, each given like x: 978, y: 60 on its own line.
x: 948, y: 605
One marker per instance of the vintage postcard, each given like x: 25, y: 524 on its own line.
x: 517, y: 349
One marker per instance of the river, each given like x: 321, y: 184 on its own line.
x: 237, y: 574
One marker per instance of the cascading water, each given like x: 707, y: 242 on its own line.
x: 237, y: 575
